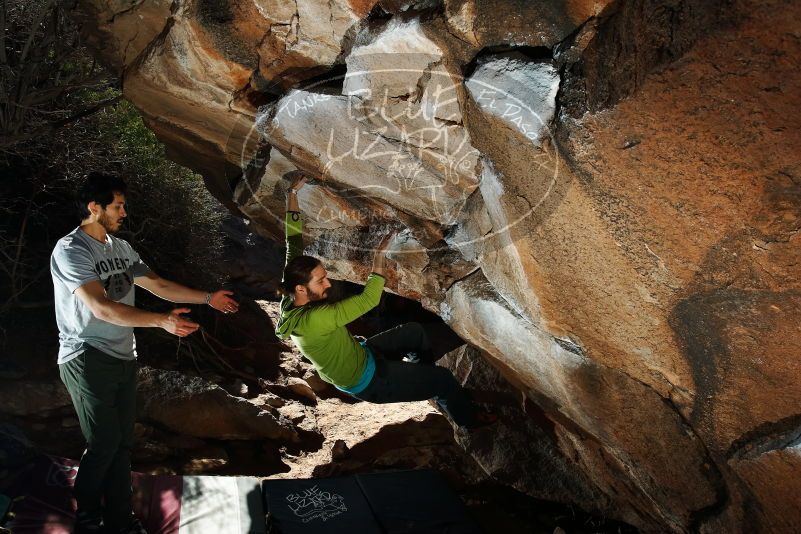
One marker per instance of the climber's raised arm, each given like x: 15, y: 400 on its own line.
x: 294, y: 222
x: 292, y: 194
x: 380, y: 255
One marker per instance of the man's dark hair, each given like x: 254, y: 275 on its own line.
x: 298, y: 272
x: 100, y: 188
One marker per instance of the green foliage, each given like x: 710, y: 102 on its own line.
x: 173, y: 220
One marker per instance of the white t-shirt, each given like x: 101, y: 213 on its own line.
x: 78, y: 259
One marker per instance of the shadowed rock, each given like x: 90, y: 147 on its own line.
x: 193, y: 407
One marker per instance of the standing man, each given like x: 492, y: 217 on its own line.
x: 94, y: 275
x: 360, y: 369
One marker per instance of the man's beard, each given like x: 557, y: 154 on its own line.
x: 106, y: 222
x: 316, y: 297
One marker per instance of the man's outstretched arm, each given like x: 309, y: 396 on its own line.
x: 380, y: 255
x: 94, y: 296
x: 330, y: 316
x: 174, y: 292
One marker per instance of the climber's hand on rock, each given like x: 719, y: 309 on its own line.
x: 379, y: 259
x: 384, y: 245
x: 297, y: 183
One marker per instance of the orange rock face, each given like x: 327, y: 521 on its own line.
x: 697, y: 180
x: 603, y: 198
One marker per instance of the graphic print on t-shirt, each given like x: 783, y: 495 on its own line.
x: 119, y: 282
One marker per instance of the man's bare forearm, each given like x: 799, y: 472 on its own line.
x: 175, y: 292
x: 380, y: 256
x: 292, y: 201
x: 124, y: 315
x: 379, y: 262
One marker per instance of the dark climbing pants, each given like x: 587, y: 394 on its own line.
x: 103, y: 391
x: 399, y: 381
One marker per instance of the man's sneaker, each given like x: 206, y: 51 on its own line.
x: 89, y: 522
x: 411, y: 357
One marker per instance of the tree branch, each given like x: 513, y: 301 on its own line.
x: 9, y: 140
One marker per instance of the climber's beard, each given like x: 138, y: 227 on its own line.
x: 316, y: 297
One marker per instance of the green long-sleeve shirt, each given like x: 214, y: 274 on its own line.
x: 318, y: 329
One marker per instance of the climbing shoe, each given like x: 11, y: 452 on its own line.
x: 411, y: 357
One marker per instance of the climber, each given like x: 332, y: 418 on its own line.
x: 360, y: 369
x: 93, y: 278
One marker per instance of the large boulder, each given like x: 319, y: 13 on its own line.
x: 600, y: 405
x: 521, y: 448
x: 194, y: 407
x: 26, y: 398
x: 198, y: 69
x: 605, y: 206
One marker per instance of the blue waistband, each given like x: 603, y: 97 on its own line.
x: 367, y: 375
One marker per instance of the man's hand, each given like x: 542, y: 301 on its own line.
x: 291, y: 194
x: 379, y: 259
x: 221, y: 301
x: 297, y: 183
x: 177, y: 325
x: 383, y: 246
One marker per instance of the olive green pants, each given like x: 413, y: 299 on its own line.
x: 103, y: 391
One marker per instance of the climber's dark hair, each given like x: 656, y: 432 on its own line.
x: 298, y: 272
x: 100, y: 188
